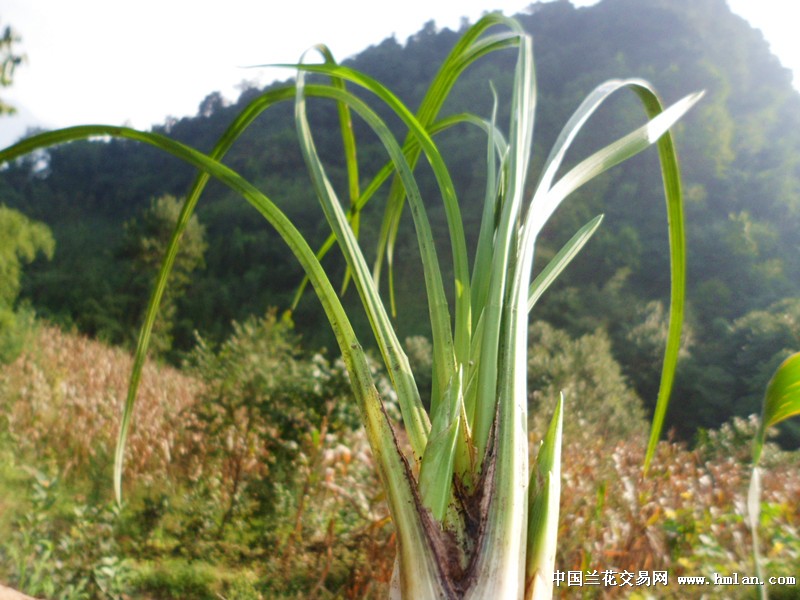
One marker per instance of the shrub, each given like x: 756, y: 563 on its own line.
x: 585, y: 370
x: 177, y: 580
x: 65, y: 552
x: 260, y: 401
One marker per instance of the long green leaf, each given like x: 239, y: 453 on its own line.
x: 781, y: 401
x: 240, y: 124
x: 388, y: 170
x: 560, y: 261
x: 547, y: 199
x: 350, y: 153
x: 444, y: 363
x: 544, y: 492
x: 670, y: 174
x: 489, y: 386
x: 342, y: 329
x: 394, y: 357
x: 481, y: 268
x: 501, y: 414
x: 466, y: 51
x: 436, y: 471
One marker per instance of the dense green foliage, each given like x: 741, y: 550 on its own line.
x: 739, y: 158
x: 143, y: 246
x: 260, y: 400
x: 583, y: 369
x: 21, y: 240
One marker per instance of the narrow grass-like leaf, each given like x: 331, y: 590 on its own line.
x: 350, y: 154
x: 399, y: 370
x: 515, y: 167
x: 547, y: 199
x: 481, y: 278
x: 226, y: 141
x: 612, y: 155
x: 436, y: 471
x: 467, y: 50
x: 544, y: 492
x: 670, y: 174
x: 481, y: 267
x: 415, y: 552
x: 501, y: 414
x: 388, y: 169
x: 560, y: 261
x: 781, y: 401
x: 444, y: 363
x: 387, y: 341
x: 240, y: 124
x: 341, y: 326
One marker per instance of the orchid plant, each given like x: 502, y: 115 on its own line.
x: 473, y: 518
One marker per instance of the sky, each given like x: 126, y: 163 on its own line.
x: 137, y: 62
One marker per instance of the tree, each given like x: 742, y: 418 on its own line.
x: 9, y: 60
x: 21, y: 240
x: 144, y: 246
x: 762, y: 340
x: 211, y: 104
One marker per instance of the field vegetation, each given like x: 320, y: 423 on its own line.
x: 227, y: 502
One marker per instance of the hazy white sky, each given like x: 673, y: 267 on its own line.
x: 120, y: 61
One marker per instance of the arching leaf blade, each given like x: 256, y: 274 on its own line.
x: 656, y: 130
x: 544, y: 492
x: 560, y: 261
x: 395, y: 359
x: 781, y: 400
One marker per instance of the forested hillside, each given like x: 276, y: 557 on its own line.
x: 105, y: 203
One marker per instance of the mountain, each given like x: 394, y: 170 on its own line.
x: 739, y: 150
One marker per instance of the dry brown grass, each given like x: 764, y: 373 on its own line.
x: 687, y: 517
x: 63, y: 399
